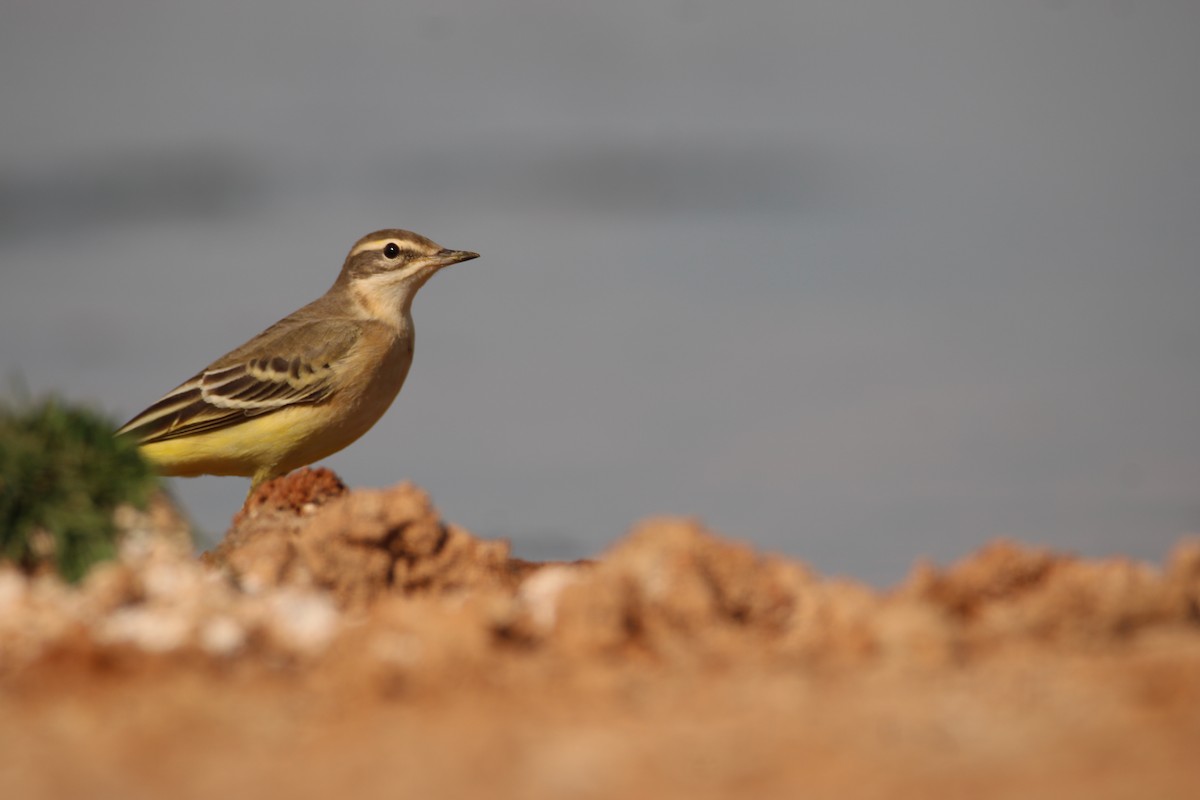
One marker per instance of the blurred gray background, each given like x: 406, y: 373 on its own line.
x: 855, y: 281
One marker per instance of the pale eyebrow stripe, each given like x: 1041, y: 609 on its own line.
x: 379, y: 244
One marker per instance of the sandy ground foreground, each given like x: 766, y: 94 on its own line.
x: 354, y: 645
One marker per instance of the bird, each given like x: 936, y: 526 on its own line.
x: 307, y: 386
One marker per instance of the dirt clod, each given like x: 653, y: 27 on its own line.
x: 354, y: 642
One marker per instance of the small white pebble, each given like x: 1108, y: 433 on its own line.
x: 539, y: 593
x: 252, y: 584
x: 152, y: 629
x: 172, y: 579
x: 304, y: 620
x: 222, y: 636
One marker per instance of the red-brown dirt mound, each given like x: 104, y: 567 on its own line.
x: 355, y: 644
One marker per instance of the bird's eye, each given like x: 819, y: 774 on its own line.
x: 391, y: 250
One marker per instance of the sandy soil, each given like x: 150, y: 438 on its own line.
x: 355, y: 645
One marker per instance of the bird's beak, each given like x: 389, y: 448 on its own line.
x: 444, y: 258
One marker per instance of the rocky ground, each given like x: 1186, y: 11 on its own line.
x: 353, y: 644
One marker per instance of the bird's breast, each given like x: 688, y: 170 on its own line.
x: 381, y: 364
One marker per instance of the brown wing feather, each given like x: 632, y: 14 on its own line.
x: 286, y: 366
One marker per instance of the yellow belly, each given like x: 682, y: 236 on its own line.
x: 273, y: 444
x: 247, y: 447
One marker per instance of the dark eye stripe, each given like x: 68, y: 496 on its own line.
x: 393, y: 251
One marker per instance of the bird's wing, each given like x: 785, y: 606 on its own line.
x: 288, y: 366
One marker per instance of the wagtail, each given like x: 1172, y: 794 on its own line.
x: 307, y: 386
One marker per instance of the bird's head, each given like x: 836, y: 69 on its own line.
x: 385, y: 269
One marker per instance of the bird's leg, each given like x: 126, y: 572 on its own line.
x: 261, y: 476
